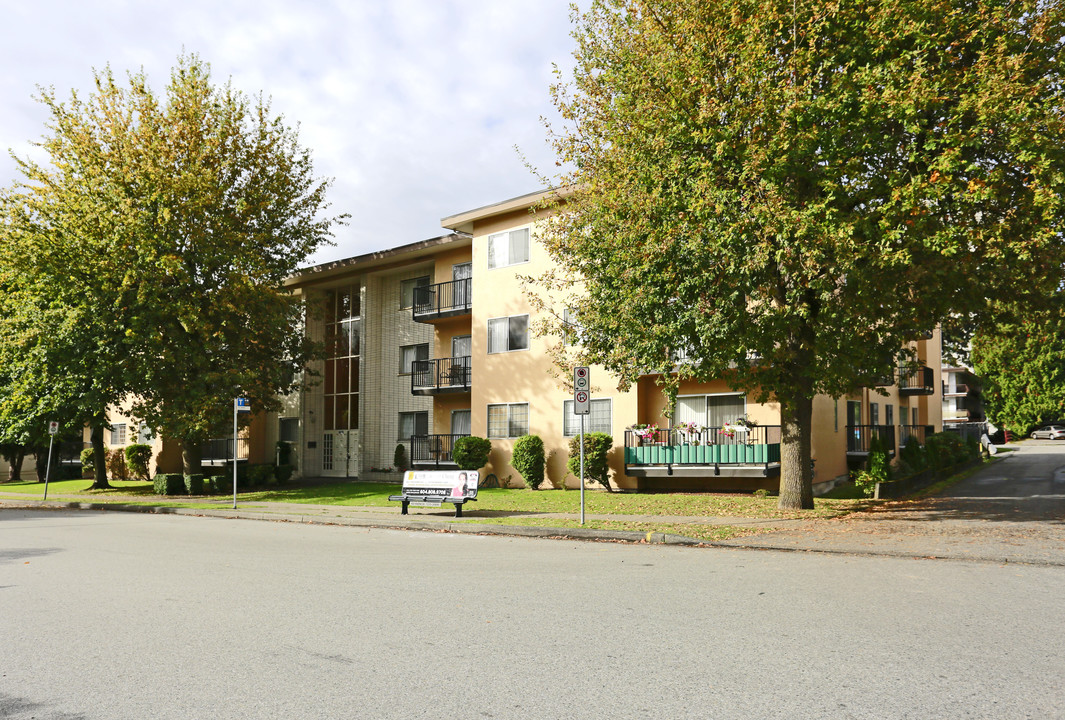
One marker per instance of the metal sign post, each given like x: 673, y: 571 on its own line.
x: 239, y: 405
x: 53, y: 428
x: 582, y: 404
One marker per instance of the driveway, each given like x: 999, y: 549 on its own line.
x: 1012, y: 510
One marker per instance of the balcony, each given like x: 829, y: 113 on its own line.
x: 440, y: 376
x: 959, y: 390
x: 916, y: 380
x: 860, y: 438
x: 443, y: 300
x: 914, y: 433
x: 433, y: 451
x: 219, y: 451
x: 711, y: 452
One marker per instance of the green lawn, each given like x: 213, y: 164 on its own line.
x: 364, y: 494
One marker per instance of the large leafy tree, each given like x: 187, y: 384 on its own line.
x: 790, y: 193
x: 1021, y: 365
x: 160, y: 231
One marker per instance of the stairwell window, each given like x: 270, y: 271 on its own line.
x: 118, y: 434
x: 508, y: 334
x: 508, y: 248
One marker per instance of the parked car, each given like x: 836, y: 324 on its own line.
x: 1049, y: 432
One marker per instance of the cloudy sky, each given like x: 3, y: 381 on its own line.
x: 415, y: 107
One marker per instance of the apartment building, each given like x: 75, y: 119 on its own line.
x: 432, y: 341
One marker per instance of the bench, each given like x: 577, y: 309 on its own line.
x: 433, y: 488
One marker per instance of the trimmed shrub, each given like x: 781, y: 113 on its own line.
x: 399, y: 457
x: 138, y: 460
x: 913, y: 455
x: 877, y: 469
x: 283, y: 473
x: 596, y: 465
x: 528, y: 459
x: 260, y: 475
x: 169, y: 484
x: 285, y: 452
x: 471, y: 453
x: 116, y: 464
x: 219, y: 484
x: 944, y: 450
x: 87, y: 467
x: 194, y: 484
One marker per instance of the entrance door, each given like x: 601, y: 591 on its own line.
x: 340, y: 453
x: 460, y: 422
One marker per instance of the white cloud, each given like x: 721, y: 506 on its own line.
x: 413, y: 106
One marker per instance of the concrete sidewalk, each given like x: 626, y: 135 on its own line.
x: 904, y: 534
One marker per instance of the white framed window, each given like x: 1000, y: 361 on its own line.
x: 406, y: 290
x: 118, y: 434
x: 508, y: 334
x: 413, y: 423
x: 508, y: 248
x: 145, y: 436
x: 598, y: 420
x: 408, y: 354
x: 508, y: 420
x: 572, y: 330
x: 711, y: 410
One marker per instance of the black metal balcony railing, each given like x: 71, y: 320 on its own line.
x: 442, y: 375
x: 446, y: 299
x: 916, y: 380
x: 219, y: 451
x: 432, y: 450
x: 860, y: 438
x: 759, y: 445
x: 914, y: 433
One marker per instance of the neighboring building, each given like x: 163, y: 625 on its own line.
x: 431, y: 341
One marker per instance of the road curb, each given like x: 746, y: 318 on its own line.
x: 629, y: 536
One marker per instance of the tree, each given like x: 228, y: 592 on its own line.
x: 169, y: 225
x: 1021, y: 365
x: 788, y: 194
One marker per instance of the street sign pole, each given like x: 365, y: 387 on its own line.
x: 52, y: 428
x: 582, y: 403
x: 582, y: 470
x: 236, y: 409
x: 239, y: 405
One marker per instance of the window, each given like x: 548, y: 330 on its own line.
x: 914, y: 411
x: 598, y: 420
x: 408, y: 354
x: 145, y: 436
x: 508, y: 334
x: 406, y: 290
x: 874, y: 413
x: 413, y: 423
x: 288, y: 429
x: 711, y: 410
x: 508, y: 420
x: 572, y: 330
x: 889, y: 414
x: 508, y: 248
x: 118, y: 434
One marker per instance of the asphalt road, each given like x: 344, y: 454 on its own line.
x: 112, y: 615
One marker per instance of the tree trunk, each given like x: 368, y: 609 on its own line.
x: 14, y: 460
x: 99, y: 458
x: 796, y: 471
x: 191, y: 457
